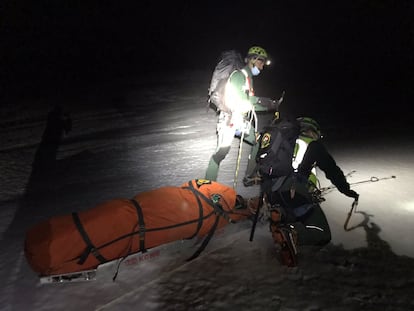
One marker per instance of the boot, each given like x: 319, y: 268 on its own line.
x: 253, y: 204
x: 285, y: 237
x: 275, y: 215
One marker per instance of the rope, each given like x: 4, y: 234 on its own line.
x: 253, y: 116
x: 372, y: 179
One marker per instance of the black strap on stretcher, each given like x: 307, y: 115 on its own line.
x: 218, y: 211
x: 90, y: 247
x: 141, y: 226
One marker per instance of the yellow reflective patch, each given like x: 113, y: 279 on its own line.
x: 201, y: 182
x: 265, y: 140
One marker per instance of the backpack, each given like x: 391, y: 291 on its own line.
x: 276, y: 148
x: 229, y: 61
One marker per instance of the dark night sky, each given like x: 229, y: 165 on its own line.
x: 356, y: 53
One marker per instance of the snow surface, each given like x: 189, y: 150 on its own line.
x: 154, y: 134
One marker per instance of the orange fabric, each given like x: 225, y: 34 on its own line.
x: 55, y: 245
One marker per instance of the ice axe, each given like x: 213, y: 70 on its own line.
x: 280, y: 100
x: 256, y: 216
x: 348, y: 217
x: 276, y: 115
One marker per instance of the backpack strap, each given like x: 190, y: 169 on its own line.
x: 248, y: 84
x: 90, y: 247
x: 275, y: 147
x: 277, y: 183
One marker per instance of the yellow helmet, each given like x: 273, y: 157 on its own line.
x: 307, y: 123
x: 257, y: 51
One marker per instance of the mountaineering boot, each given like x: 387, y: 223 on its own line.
x: 285, y: 237
x: 247, y: 206
x: 253, y: 204
x: 275, y: 215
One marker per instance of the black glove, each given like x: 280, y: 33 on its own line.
x: 266, y: 102
x: 352, y: 194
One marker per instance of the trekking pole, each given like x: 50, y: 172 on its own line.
x: 276, y: 115
x: 239, y: 154
x: 281, y: 98
x: 256, y: 216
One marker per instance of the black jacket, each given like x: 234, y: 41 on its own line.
x: 317, y: 153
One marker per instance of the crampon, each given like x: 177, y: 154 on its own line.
x: 285, y: 238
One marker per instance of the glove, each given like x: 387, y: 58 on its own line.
x: 270, y: 104
x: 266, y: 102
x: 352, y: 194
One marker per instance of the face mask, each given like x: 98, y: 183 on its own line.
x: 255, y: 71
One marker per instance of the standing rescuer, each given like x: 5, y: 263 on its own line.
x: 240, y: 99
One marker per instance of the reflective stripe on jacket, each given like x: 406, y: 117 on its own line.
x: 302, y: 143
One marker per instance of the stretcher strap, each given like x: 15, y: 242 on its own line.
x: 200, y: 218
x: 219, y: 212
x: 141, y: 226
x: 90, y: 248
x: 218, y: 209
x: 206, y: 240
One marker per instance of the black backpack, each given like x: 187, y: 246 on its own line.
x: 229, y: 61
x: 276, y: 148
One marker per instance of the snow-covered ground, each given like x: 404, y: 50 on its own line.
x: 154, y: 134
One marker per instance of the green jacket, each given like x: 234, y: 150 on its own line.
x: 239, y: 93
